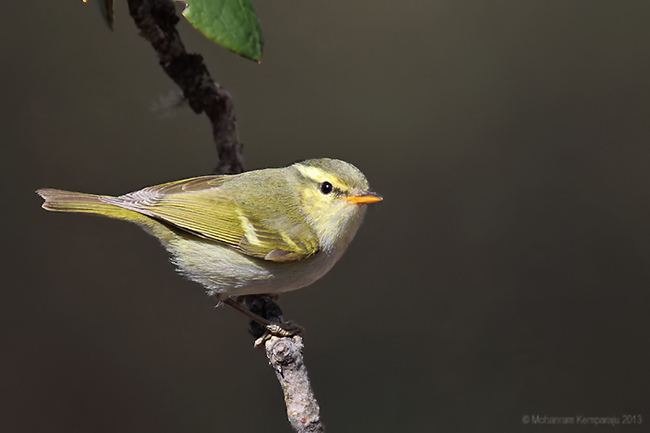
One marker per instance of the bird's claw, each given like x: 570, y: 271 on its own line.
x: 285, y: 329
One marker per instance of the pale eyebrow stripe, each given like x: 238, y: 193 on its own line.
x: 313, y: 173
x: 318, y: 175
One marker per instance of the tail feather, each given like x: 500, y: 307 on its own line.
x: 57, y: 200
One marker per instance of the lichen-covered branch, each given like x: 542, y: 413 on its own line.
x: 286, y: 358
x: 157, y: 21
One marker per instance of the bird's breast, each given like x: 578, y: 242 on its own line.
x: 223, y: 270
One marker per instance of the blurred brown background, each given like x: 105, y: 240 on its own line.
x: 506, y: 273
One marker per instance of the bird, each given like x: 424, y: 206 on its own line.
x: 266, y: 231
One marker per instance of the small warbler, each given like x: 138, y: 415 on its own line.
x: 259, y: 232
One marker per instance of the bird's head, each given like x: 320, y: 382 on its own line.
x: 333, y: 197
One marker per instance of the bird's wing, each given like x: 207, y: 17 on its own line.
x: 205, y: 208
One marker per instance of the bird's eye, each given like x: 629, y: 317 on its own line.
x: 326, y: 187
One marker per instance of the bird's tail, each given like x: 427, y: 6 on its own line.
x: 57, y: 200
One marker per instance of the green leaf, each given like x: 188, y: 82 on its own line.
x: 230, y: 23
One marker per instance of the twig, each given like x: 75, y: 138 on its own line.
x: 285, y: 356
x: 157, y: 20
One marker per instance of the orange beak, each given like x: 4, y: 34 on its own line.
x: 365, y: 198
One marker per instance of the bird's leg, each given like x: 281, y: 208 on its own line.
x: 248, y: 313
x: 272, y: 326
x: 265, y: 306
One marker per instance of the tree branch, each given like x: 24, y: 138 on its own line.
x: 157, y: 21
x: 285, y: 357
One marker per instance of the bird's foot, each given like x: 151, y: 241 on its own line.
x: 284, y: 329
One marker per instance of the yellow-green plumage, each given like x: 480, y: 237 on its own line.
x: 264, y: 231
